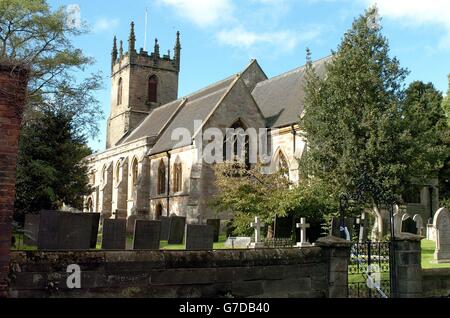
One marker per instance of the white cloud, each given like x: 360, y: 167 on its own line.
x: 284, y: 40
x: 105, y: 24
x: 202, y: 12
x: 417, y: 13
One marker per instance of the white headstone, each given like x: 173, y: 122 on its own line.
x: 397, y: 223
x: 441, y: 223
x: 257, y: 226
x: 238, y: 242
x: 419, y: 222
x: 303, y: 226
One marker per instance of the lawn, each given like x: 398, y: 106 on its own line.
x: 428, y: 255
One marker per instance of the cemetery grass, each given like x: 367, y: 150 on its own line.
x: 428, y: 248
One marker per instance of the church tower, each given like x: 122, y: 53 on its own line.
x: 141, y: 82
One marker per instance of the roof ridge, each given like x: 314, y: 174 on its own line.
x: 292, y: 71
x: 209, y: 86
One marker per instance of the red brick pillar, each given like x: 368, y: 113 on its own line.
x: 13, y: 88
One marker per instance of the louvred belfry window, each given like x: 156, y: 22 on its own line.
x: 153, y: 89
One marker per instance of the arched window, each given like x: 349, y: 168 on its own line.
x: 119, y: 92
x: 161, y: 178
x: 134, y: 173
x: 117, y: 172
x: 237, y: 144
x: 153, y: 89
x: 90, y: 205
x: 177, y: 177
x: 283, y: 165
x: 158, y: 212
x: 104, y: 175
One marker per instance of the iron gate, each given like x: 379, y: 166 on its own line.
x: 369, y: 273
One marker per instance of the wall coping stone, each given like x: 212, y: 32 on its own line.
x: 436, y: 272
x: 332, y: 241
x: 408, y: 237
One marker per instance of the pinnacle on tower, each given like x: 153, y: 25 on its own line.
x: 121, y: 50
x: 156, y: 50
x: 114, y: 52
x: 177, y: 51
x: 132, y: 40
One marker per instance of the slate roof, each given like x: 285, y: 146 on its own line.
x: 197, y: 107
x: 281, y: 98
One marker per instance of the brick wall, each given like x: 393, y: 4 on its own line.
x: 13, y: 83
x: 315, y: 272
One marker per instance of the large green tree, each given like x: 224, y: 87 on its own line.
x: 444, y: 174
x: 33, y: 34
x: 357, y: 120
x: 50, y: 169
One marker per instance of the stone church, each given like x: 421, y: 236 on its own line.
x: 145, y: 174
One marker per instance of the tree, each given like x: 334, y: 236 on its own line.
x: 31, y: 34
x: 357, y: 119
x: 50, y: 170
x: 444, y: 173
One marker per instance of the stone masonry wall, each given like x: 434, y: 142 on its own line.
x: 13, y: 84
x: 436, y: 282
x: 298, y: 273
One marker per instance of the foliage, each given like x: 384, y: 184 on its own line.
x: 50, y: 170
x: 444, y: 173
x: 32, y: 34
x: 357, y: 121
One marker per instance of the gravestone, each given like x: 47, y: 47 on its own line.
x: 257, y: 225
x: 199, y: 237
x: 165, y: 224
x: 238, y: 242
x: 336, y: 226
x: 215, y: 223
x: 441, y: 223
x: 303, y: 226
x: 176, y: 230
x: 397, y: 223
x: 419, y: 224
x: 31, y: 229
x: 68, y: 231
x: 147, y: 235
x: 408, y: 225
x: 284, y: 227
x: 114, y: 235
x: 363, y: 229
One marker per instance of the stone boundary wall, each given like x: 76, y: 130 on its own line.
x: 314, y: 272
x: 436, y: 282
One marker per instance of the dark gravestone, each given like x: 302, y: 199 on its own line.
x: 176, y: 230
x: 165, y: 224
x: 67, y: 231
x: 147, y: 235
x: 336, y: 226
x: 31, y: 229
x: 199, y: 237
x: 215, y: 223
x: 114, y: 234
x: 284, y: 227
x: 409, y: 226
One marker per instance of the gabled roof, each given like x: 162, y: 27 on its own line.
x: 281, y: 98
x: 197, y: 106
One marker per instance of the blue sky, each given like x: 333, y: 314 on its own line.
x: 219, y: 37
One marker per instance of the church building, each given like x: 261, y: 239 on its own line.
x: 145, y: 173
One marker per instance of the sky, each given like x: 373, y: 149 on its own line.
x: 220, y: 37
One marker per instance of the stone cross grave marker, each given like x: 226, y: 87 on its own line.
x: 147, y: 235
x: 419, y: 224
x: 408, y: 224
x: 441, y: 224
x: 303, y: 226
x: 176, y: 230
x: 257, y: 226
x: 215, y: 223
x: 114, y: 235
x: 199, y: 237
